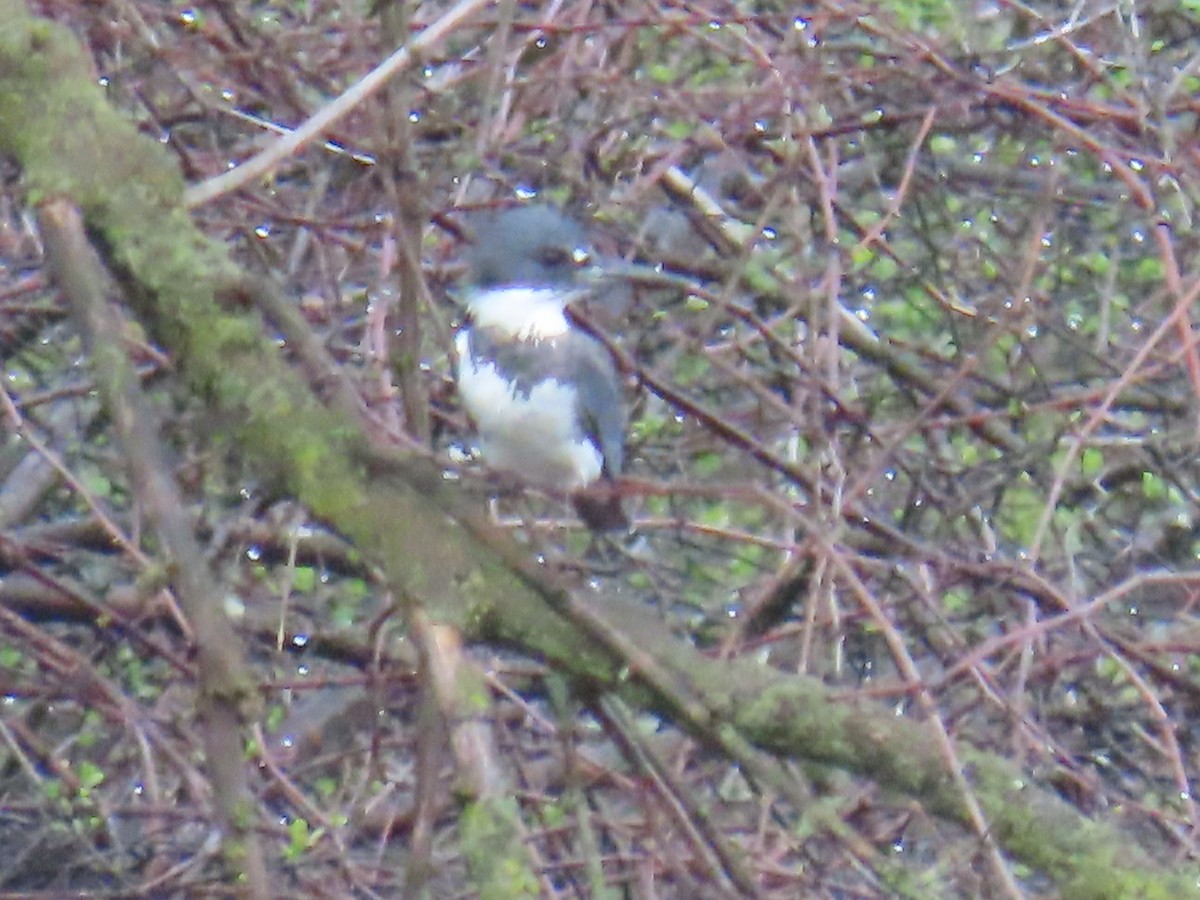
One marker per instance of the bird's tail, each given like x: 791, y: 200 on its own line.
x: 599, y: 506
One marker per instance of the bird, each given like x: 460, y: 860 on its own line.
x: 544, y: 395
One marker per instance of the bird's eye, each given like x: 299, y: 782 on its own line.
x: 559, y: 257
x: 553, y: 257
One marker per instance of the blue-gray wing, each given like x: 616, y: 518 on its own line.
x: 601, y: 405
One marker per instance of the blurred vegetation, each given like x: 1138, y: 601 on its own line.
x: 913, y: 413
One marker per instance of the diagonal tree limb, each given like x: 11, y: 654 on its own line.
x: 226, y: 689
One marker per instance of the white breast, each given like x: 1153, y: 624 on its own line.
x: 525, y: 313
x: 536, y: 437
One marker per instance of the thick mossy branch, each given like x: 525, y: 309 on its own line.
x: 69, y: 142
x: 54, y: 120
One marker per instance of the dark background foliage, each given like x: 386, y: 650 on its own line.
x: 914, y: 411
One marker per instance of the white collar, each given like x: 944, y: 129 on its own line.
x: 525, y: 313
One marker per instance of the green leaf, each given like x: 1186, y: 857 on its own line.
x: 941, y: 143
x: 679, y: 130
x: 304, y: 579
x: 691, y: 368
x: 326, y: 786
x: 90, y: 776
x: 1020, y: 511
x: 1091, y: 461
x: 1149, y: 268
x: 298, y: 832
x: 661, y: 73
x: 1153, y: 487
x: 96, y: 482
x: 956, y: 600
x: 707, y: 463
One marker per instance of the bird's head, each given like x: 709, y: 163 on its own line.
x: 528, y: 246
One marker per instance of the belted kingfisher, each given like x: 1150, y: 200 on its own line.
x: 543, y: 394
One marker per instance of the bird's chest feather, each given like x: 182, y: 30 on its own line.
x: 514, y: 380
